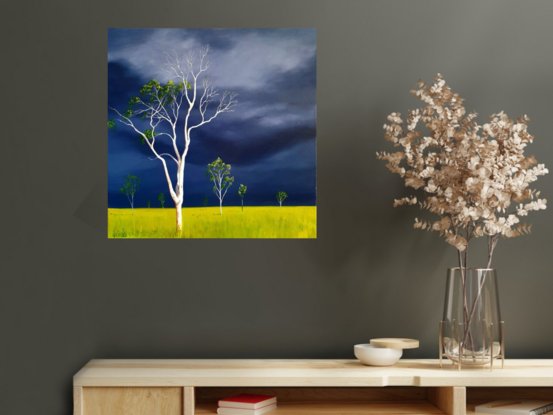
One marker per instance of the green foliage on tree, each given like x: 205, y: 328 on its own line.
x: 161, y: 199
x: 219, y: 173
x: 149, y: 135
x: 148, y: 203
x: 281, y: 196
x: 130, y: 188
x: 154, y: 96
x: 242, y: 192
x: 205, y: 201
x: 154, y: 91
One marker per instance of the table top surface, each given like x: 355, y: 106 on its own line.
x: 306, y: 373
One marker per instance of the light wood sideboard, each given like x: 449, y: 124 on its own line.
x: 318, y: 387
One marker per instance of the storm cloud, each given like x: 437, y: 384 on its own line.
x: 270, y: 138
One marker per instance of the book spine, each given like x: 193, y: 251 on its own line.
x: 543, y: 410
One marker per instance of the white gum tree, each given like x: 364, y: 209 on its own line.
x: 219, y: 173
x: 281, y: 196
x: 172, y: 111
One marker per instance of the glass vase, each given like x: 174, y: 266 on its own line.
x: 471, y: 332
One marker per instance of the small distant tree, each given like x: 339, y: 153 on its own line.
x: 161, y: 199
x: 281, y: 196
x: 130, y: 188
x: 205, y: 201
x: 148, y: 203
x: 219, y: 173
x: 242, y: 192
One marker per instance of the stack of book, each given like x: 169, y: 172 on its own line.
x: 247, y: 404
x: 515, y: 407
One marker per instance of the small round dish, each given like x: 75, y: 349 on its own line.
x: 376, y: 356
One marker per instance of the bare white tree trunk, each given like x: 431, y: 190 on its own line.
x: 179, y: 193
x: 178, y: 209
x: 281, y: 205
x: 219, y: 192
x: 130, y: 198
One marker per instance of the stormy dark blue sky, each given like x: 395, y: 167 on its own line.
x: 269, y: 139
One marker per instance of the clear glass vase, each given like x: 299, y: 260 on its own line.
x: 471, y: 330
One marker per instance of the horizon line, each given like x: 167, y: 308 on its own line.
x: 215, y: 207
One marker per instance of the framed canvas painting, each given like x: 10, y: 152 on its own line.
x: 212, y: 133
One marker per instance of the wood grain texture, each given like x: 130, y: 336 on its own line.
x: 297, y: 395
x: 331, y: 408
x: 470, y: 409
x: 132, y: 401
x: 189, y: 400
x: 298, y: 373
x: 450, y: 400
x: 395, y: 343
x: 77, y: 400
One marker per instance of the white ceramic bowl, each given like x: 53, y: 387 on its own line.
x: 376, y: 356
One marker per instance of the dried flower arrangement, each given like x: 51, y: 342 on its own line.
x: 475, y: 178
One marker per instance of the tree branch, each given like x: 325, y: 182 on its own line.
x: 150, y: 144
x: 166, y: 154
x: 226, y: 104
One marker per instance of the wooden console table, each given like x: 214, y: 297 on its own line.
x: 319, y: 387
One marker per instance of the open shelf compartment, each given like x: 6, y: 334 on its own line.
x: 479, y: 396
x: 332, y: 401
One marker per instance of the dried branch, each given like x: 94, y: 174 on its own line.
x: 470, y: 175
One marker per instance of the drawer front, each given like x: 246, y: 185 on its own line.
x: 132, y: 401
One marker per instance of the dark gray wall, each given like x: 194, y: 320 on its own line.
x: 67, y: 294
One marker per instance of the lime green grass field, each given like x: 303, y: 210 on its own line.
x: 254, y: 222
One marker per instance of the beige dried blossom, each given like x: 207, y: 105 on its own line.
x: 475, y: 178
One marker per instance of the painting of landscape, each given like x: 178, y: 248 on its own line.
x: 212, y: 133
